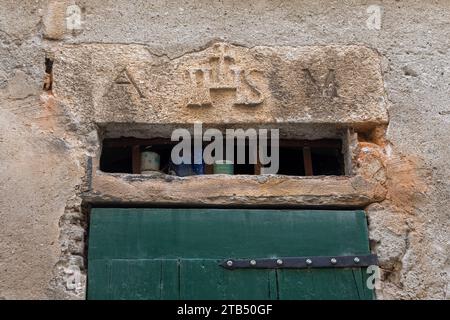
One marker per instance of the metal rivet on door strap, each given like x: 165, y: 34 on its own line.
x: 302, y: 262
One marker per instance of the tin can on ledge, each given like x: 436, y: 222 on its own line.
x: 150, y: 161
x: 223, y: 167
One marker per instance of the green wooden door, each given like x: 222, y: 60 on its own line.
x: 175, y: 253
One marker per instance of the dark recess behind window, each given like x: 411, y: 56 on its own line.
x: 297, y: 157
x: 116, y: 159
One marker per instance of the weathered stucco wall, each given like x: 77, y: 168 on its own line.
x: 46, y: 142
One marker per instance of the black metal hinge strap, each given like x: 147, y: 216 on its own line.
x: 355, y: 261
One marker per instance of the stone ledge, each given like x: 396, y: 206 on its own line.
x: 242, y: 190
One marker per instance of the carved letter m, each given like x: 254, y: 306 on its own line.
x: 314, y: 89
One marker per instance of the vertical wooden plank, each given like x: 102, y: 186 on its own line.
x: 345, y: 287
x: 324, y: 284
x: 362, y: 276
x: 295, y: 284
x: 135, y: 279
x: 307, y: 160
x: 258, y: 163
x: 136, y: 159
x: 199, y: 279
x: 169, y: 279
x: 98, y: 287
x: 205, y: 279
x: 258, y: 168
x: 258, y: 284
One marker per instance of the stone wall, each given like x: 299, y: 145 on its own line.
x: 49, y: 139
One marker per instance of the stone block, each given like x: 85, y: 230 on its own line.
x: 223, y: 84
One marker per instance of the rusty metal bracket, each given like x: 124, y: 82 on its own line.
x: 355, y: 261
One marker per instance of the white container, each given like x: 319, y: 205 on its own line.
x: 150, y: 161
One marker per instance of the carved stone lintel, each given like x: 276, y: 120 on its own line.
x: 316, y: 84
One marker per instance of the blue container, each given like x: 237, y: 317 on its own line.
x: 183, y: 170
x: 198, y: 169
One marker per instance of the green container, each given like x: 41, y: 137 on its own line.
x: 224, y: 167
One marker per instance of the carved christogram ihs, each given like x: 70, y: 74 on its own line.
x: 219, y: 75
x: 315, y: 88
